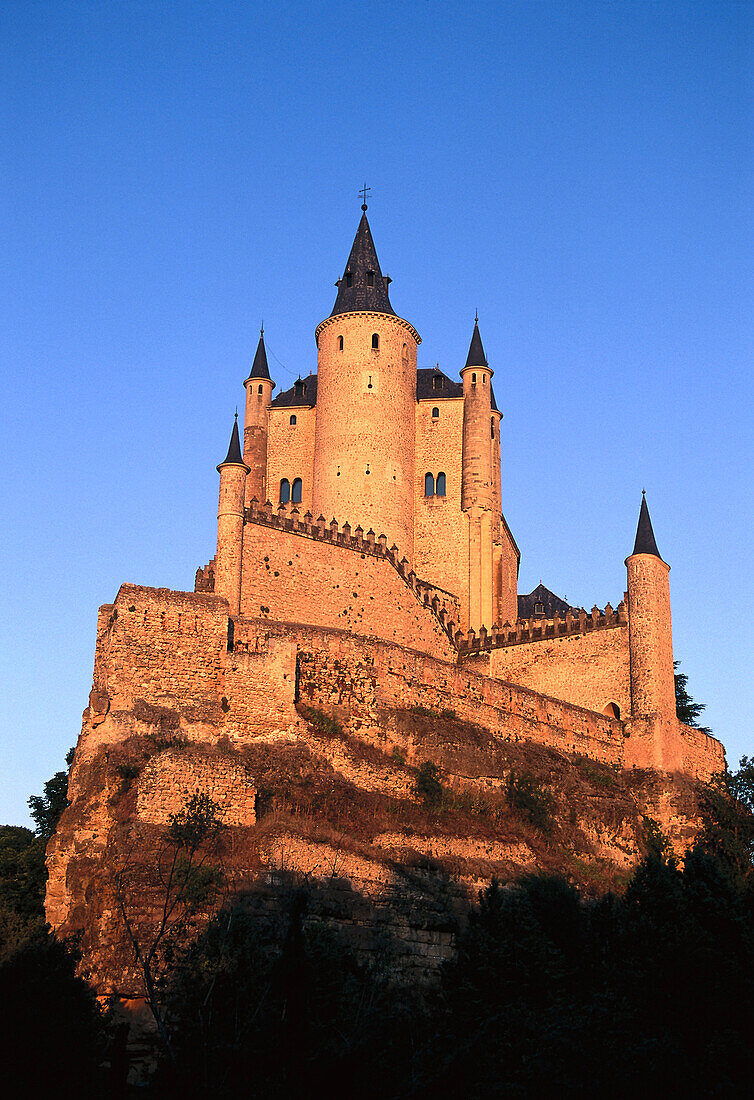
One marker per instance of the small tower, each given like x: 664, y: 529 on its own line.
x: 649, y: 631
x: 230, y: 520
x: 478, y: 490
x: 364, y: 451
x: 259, y: 387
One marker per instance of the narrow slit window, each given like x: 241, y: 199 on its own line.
x: 285, y: 491
x: 492, y: 427
x: 293, y: 419
x: 370, y: 278
x: 340, y: 343
x: 429, y: 485
x: 349, y: 279
x: 296, y: 491
x: 260, y: 390
x: 473, y: 379
x: 435, y: 413
x: 375, y: 341
x: 440, y: 490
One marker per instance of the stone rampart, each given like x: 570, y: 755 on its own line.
x: 171, y: 778
x: 295, y: 570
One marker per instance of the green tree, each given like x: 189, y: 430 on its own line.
x: 46, y: 809
x: 686, y: 709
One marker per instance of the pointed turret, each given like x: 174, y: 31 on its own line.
x: 259, y: 367
x: 363, y: 286
x: 476, y: 356
x: 645, y: 536
x: 234, y: 449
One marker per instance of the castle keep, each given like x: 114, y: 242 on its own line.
x: 364, y: 571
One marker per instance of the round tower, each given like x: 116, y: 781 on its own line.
x: 230, y: 519
x: 366, y: 397
x: 649, y: 631
x: 259, y: 387
x: 478, y: 484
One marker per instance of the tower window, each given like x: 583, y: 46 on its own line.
x: 296, y: 491
x: 340, y: 343
x: 429, y: 485
x: 440, y: 490
x: 299, y: 387
x: 285, y: 491
x: 370, y: 386
x: 349, y: 279
x: 484, y: 377
x: 492, y: 427
x: 435, y: 413
x: 539, y: 609
x: 370, y: 278
x: 260, y: 389
x: 293, y: 419
x: 436, y: 381
x: 473, y: 379
x: 375, y: 341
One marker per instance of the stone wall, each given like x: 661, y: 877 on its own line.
x: 171, y: 778
x: 290, y: 453
x: 297, y: 579
x: 590, y: 669
x: 441, y: 537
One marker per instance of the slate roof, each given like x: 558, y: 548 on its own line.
x: 544, y: 596
x: 354, y: 289
x: 234, y: 449
x: 431, y: 383
x: 259, y: 368
x: 476, y: 356
x: 302, y: 394
x: 645, y: 536
x: 493, y: 402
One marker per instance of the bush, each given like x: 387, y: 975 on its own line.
x: 428, y: 786
x: 529, y: 798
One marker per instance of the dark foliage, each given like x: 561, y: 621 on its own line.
x: 531, y: 800
x: 685, y: 708
x: 47, y: 808
x: 428, y: 784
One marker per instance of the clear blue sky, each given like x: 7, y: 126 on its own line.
x: 172, y: 173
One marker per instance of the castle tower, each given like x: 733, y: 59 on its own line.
x: 649, y: 630
x: 230, y: 519
x: 478, y: 481
x: 366, y: 396
x: 259, y: 387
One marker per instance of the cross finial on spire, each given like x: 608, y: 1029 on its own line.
x: 476, y: 316
x: 236, y: 412
x: 261, y: 330
x: 363, y: 193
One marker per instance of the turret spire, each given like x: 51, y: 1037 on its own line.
x: 259, y: 368
x: 476, y: 356
x: 234, y: 450
x: 363, y: 286
x: 645, y: 536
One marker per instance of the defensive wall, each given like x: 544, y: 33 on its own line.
x: 241, y: 678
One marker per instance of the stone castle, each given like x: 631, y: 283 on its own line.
x: 364, y: 570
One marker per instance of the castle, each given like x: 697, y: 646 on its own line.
x: 365, y: 577
x: 405, y: 464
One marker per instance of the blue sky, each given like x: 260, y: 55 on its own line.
x: 173, y: 173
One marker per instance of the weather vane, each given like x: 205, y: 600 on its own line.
x: 363, y: 194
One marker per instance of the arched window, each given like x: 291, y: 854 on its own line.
x: 260, y: 389
x: 404, y: 352
x: 473, y: 379
x: 429, y: 485
x: 484, y: 377
x: 492, y: 427
x: 612, y: 710
x: 293, y: 419
x: 296, y: 491
x: 285, y: 491
x: 435, y: 413
x: 375, y: 341
x: 440, y: 490
x: 340, y: 343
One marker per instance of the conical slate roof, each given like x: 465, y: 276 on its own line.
x: 645, y: 536
x: 234, y: 450
x: 493, y: 402
x: 476, y: 356
x: 259, y: 368
x: 363, y: 286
